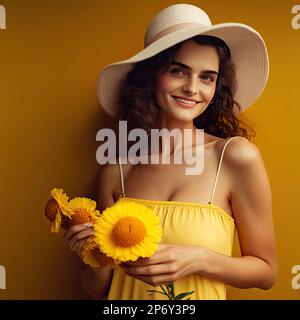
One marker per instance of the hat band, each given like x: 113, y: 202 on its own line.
x: 176, y: 27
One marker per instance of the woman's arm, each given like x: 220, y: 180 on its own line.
x: 96, y: 281
x: 240, y: 272
x: 252, y: 209
x: 251, y: 203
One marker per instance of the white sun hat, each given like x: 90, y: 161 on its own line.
x: 180, y: 22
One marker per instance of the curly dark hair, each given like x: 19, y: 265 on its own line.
x: 138, y: 106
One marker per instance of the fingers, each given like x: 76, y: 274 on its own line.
x: 79, y: 244
x: 74, y: 229
x: 150, y: 270
x: 77, y: 236
x: 159, y: 257
x: 138, y: 262
x: 163, y: 247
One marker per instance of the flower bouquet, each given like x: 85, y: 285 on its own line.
x: 65, y: 214
x: 124, y: 232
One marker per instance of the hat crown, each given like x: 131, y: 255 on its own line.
x: 178, y: 16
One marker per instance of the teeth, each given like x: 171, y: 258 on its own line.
x: 184, y: 101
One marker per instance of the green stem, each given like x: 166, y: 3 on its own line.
x: 172, y: 293
x: 168, y: 290
x: 163, y: 289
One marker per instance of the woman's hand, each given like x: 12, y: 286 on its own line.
x: 169, y: 263
x: 77, y: 235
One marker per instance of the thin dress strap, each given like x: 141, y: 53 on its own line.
x: 219, y: 167
x: 122, y: 178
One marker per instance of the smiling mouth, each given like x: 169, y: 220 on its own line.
x: 185, y: 102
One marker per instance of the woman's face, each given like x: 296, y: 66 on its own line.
x: 185, y: 90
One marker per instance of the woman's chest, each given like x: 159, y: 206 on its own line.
x: 169, y: 182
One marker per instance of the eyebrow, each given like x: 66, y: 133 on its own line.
x: 189, y: 68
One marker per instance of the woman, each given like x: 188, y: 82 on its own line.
x: 191, y: 75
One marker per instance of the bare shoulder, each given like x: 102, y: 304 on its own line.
x: 110, y: 170
x: 109, y: 181
x: 242, y: 164
x: 250, y: 189
x: 107, y: 171
x: 240, y: 153
x: 106, y: 178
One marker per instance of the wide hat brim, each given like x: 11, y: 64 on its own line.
x: 248, y: 52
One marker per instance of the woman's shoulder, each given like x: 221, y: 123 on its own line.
x: 109, y: 173
x: 109, y: 181
x: 239, y: 152
x: 112, y: 167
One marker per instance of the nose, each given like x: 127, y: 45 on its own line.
x: 190, y: 87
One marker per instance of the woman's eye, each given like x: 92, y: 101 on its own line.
x: 177, y: 71
x: 180, y: 72
x: 208, y: 77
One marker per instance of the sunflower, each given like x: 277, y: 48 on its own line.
x: 83, y: 210
x: 57, y: 208
x: 92, y: 255
x: 127, y: 231
x: 64, y: 213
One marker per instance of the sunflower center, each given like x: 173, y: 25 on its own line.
x: 80, y: 211
x: 52, y: 209
x: 80, y: 216
x: 128, y: 232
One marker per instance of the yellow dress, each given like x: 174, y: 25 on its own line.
x: 183, y: 223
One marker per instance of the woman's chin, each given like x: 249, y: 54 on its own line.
x: 182, y: 116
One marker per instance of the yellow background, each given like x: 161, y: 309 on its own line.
x: 50, y: 57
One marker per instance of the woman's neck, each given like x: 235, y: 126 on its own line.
x: 175, y: 135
